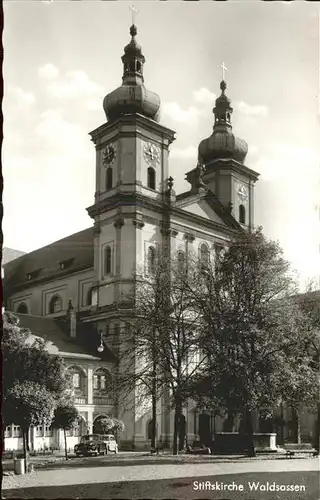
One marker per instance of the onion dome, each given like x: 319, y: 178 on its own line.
x: 132, y: 97
x: 222, y: 143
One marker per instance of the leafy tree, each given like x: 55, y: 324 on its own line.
x: 107, y: 425
x: 65, y: 417
x: 27, y: 364
x: 28, y: 403
x: 104, y: 425
x: 253, y: 331
x: 118, y: 426
x: 310, y: 304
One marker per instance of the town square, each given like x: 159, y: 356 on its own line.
x: 161, y: 253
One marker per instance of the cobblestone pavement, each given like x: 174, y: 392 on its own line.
x: 158, y: 480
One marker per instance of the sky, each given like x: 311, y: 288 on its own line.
x: 63, y: 57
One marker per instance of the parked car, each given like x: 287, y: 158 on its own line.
x: 111, y: 443
x: 91, y: 444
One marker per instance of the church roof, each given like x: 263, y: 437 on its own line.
x: 9, y: 254
x: 70, y: 254
x: 56, y: 334
x: 214, y: 203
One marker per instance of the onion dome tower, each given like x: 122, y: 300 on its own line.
x: 222, y: 143
x: 222, y: 156
x: 132, y: 97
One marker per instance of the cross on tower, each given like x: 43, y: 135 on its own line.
x: 224, y: 68
x: 133, y: 11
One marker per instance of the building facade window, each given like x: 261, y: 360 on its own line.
x: 242, y: 214
x: 204, y: 255
x: 22, y: 308
x: 7, y: 431
x: 16, y: 431
x: 48, y: 432
x: 89, y: 297
x: 109, y: 178
x: 107, y: 260
x: 151, y: 178
x: 151, y: 260
x: 76, y: 380
x: 55, y: 305
x: 39, y: 431
x: 102, y: 380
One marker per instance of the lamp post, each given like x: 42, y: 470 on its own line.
x: 100, y: 347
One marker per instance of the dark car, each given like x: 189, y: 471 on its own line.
x: 91, y: 444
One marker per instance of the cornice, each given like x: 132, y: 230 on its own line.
x: 135, y: 120
x: 230, y: 164
x: 143, y: 202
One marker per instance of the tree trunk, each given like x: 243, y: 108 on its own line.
x: 25, y: 447
x: 177, y: 419
x: 317, y: 437
x: 249, y: 425
x: 282, y: 425
x: 154, y: 406
x: 65, y: 444
x: 296, y: 425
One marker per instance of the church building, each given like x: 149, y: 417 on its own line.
x: 70, y: 292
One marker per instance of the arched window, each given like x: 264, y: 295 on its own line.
x: 181, y: 261
x: 89, y: 297
x: 242, y: 214
x: 132, y: 65
x: 55, y: 304
x: 109, y: 178
x: 151, y: 178
x: 138, y: 66
x: 77, y: 377
x: 151, y: 260
x: 76, y: 380
x: 102, y: 380
x: 107, y: 260
x: 204, y: 255
x: 22, y: 308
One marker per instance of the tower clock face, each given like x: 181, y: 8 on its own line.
x: 109, y: 154
x: 243, y: 193
x: 151, y: 154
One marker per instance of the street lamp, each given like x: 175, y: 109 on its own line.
x: 100, y: 347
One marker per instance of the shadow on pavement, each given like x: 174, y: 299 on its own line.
x: 78, y: 463
x: 184, y: 488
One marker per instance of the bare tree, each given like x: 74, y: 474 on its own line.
x: 164, y: 339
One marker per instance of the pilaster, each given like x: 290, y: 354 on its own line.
x: 90, y: 386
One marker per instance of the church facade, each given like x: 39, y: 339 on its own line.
x: 70, y: 292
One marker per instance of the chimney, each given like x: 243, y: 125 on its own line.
x: 72, y: 317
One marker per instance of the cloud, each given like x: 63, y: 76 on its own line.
x: 249, y: 110
x: 21, y: 97
x: 253, y: 150
x: 76, y: 84
x: 204, y: 96
x: 178, y: 114
x: 48, y: 71
x: 59, y: 133
x: 94, y: 104
x: 186, y: 153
